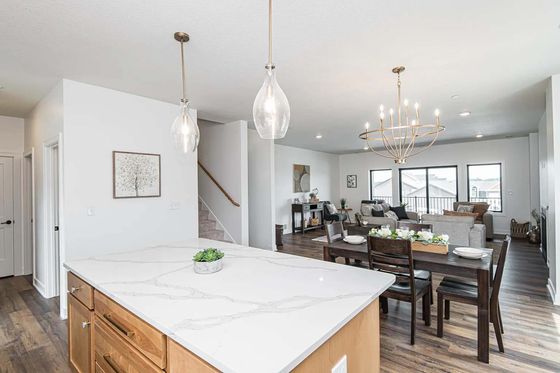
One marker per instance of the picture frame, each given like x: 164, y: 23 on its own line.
x: 351, y: 181
x: 136, y: 175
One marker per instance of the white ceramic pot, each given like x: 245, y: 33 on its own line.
x: 208, y: 267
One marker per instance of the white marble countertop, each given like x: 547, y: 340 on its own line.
x: 263, y: 312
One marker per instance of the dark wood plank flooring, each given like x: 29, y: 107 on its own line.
x: 531, y: 322
x: 33, y: 338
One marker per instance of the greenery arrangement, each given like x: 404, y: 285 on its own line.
x: 408, y: 234
x: 208, y: 255
x: 343, y: 203
x: 537, y: 217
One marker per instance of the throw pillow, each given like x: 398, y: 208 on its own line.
x: 392, y: 215
x: 457, y: 213
x: 465, y: 208
x: 480, y: 209
x: 377, y: 207
x: 332, y: 209
x: 377, y: 214
x: 365, y: 209
x: 400, y: 211
x: 386, y: 206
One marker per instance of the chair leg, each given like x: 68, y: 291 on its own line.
x: 413, y: 321
x: 384, y: 305
x: 498, y: 335
x: 447, y: 309
x: 439, y: 315
x: 500, y: 319
x: 426, y: 309
x: 347, y: 260
x: 431, y: 290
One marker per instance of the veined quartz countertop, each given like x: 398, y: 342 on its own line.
x: 263, y: 312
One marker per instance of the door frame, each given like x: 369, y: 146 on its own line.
x: 28, y: 216
x: 55, y: 278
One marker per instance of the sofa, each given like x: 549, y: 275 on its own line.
x: 487, y: 218
x: 462, y: 230
x: 365, y: 214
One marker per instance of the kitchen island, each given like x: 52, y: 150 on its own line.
x: 263, y: 312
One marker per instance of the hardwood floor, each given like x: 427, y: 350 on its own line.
x: 33, y: 338
x: 531, y: 322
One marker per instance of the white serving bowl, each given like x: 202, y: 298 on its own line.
x: 469, y: 252
x: 354, y: 240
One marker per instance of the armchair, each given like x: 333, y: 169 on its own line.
x: 486, y: 218
x: 337, y: 216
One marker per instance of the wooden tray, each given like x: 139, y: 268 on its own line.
x: 430, y: 247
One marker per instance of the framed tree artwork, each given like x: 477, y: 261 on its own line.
x: 351, y: 181
x: 136, y: 175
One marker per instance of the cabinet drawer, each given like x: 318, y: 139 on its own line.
x: 113, y: 354
x: 135, y: 331
x: 80, y: 337
x: 81, y: 290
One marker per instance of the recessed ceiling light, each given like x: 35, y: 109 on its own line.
x: 465, y: 113
x: 319, y: 136
x: 454, y: 97
x: 479, y: 135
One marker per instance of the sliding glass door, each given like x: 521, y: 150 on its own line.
x: 428, y: 189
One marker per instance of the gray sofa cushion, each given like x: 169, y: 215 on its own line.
x: 461, y: 229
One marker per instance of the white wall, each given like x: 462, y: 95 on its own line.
x: 534, y: 177
x: 11, y: 145
x: 42, y: 125
x: 98, y: 121
x: 262, y: 206
x: 512, y: 153
x: 550, y: 187
x: 223, y: 151
x: 324, y: 176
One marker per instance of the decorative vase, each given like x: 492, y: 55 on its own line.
x: 208, y: 267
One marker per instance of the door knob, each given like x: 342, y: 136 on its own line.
x: 8, y: 222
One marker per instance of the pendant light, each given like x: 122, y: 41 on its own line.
x: 271, y: 110
x: 184, y: 131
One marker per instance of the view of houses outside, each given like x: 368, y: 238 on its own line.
x: 440, y: 186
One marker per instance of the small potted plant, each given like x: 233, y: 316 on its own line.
x: 343, y: 203
x: 208, y: 261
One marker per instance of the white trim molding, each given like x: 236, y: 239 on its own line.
x: 552, y: 292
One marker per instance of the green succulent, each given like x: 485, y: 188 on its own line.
x: 208, y: 255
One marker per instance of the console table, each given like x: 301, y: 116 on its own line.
x: 307, y: 207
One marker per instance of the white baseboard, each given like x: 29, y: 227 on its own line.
x: 552, y: 292
x: 40, y: 287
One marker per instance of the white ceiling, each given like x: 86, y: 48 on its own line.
x: 333, y: 58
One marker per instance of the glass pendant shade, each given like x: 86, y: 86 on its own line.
x: 184, y: 131
x: 271, y: 110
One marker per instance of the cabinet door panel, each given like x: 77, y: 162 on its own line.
x: 80, y: 336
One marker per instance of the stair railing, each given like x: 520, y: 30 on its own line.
x: 230, y: 198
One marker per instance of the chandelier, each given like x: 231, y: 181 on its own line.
x: 403, y: 136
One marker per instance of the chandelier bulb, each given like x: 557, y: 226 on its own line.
x: 381, y: 108
x: 405, y: 102
x: 436, y: 112
x: 382, y: 116
x: 391, y: 111
x: 416, y: 106
x: 367, y: 125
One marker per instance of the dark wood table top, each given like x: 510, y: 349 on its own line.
x: 422, y: 260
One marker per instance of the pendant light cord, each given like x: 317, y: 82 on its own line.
x: 184, y: 99
x: 270, y: 32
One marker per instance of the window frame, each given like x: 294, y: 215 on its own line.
x: 501, y: 183
x: 371, y: 181
x: 428, y: 182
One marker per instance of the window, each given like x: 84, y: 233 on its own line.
x: 381, y: 185
x: 428, y: 189
x: 485, y: 184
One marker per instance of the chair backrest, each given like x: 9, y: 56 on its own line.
x: 500, y: 269
x: 417, y: 227
x: 335, y: 231
x: 392, y: 256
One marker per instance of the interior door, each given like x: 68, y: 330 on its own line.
x: 6, y: 217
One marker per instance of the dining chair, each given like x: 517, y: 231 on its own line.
x: 417, y: 227
x: 421, y: 274
x: 395, y: 257
x: 465, y: 291
x: 335, y: 232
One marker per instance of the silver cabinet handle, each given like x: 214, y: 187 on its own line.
x: 85, y: 324
x: 73, y: 289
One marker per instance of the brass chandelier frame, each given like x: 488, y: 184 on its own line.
x: 400, y: 138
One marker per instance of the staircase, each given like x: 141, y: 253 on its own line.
x: 208, y: 226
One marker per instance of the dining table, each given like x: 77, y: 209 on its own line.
x: 449, y: 264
